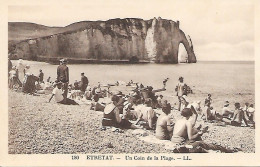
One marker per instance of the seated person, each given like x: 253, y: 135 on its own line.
x: 210, y: 114
x: 76, y: 85
x: 112, y: 117
x: 96, y: 106
x: 146, y: 113
x: 251, y: 113
x: 239, y: 115
x: 184, y: 132
x: 58, y: 95
x: 88, y: 93
x: 245, y: 109
x: 226, y: 112
x: 159, y: 101
x: 164, y: 125
x: 186, y: 104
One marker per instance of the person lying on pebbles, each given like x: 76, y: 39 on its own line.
x: 57, y: 93
x: 112, y: 117
x: 164, y: 125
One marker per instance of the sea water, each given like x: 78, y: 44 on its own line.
x: 221, y: 79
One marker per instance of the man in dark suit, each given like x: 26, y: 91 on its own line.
x: 84, y: 82
x: 63, y: 75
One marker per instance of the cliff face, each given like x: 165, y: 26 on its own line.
x: 118, y: 39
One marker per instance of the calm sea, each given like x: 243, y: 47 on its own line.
x: 217, y: 78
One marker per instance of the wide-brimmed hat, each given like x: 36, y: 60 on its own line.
x: 109, y: 108
x: 63, y: 60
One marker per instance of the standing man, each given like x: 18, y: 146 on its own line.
x: 63, y: 76
x: 181, y: 90
x: 84, y: 82
x: 41, y: 76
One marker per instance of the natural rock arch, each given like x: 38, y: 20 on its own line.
x: 182, y: 54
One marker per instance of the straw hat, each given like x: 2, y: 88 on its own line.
x: 109, y: 108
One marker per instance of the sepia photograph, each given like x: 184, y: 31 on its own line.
x: 131, y: 77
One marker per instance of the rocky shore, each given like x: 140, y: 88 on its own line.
x: 39, y: 127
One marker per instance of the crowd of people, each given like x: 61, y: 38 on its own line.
x: 138, y: 109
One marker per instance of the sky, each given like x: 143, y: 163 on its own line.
x: 220, y: 29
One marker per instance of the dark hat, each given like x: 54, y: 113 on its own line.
x: 237, y: 105
x: 115, y: 98
x: 82, y: 73
x: 186, y: 112
x: 150, y: 88
x: 119, y: 93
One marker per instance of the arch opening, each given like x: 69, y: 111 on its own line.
x: 182, y: 54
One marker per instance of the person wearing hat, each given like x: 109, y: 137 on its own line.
x: 226, y: 112
x: 57, y: 93
x: 83, y: 83
x: 112, y: 116
x: 181, y: 90
x: 41, y: 76
x: 164, y: 125
x: 63, y: 76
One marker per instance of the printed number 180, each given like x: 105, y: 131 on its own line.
x: 75, y: 157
